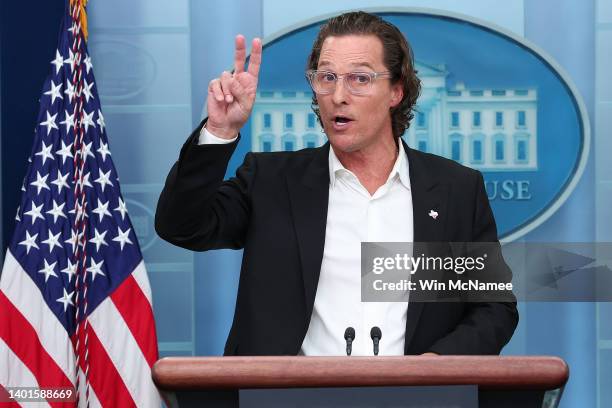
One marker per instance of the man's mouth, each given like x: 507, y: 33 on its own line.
x: 340, y: 120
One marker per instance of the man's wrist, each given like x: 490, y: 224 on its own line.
x: 208, y: 138
x: 222, y: 133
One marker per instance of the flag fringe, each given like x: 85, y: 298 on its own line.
x: 82, y: 15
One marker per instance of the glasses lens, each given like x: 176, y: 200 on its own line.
x: 324, y: 82
x: 359, y: 82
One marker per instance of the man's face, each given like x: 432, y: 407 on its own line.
x: 356, y: 122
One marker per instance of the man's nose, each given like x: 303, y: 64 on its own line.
x: 341, y: 92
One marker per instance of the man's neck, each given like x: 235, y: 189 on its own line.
x: 372, y: 166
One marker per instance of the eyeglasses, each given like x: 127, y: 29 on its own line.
x: 358, y: 83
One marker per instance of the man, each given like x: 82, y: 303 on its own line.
x: 301, y: 216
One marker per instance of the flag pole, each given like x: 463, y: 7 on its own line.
x: 79, y: 25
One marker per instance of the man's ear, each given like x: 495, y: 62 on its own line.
x: 397, y: 93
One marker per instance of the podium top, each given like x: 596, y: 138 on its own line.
x: 488, y: 372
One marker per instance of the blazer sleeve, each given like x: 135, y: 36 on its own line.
x: 486, y: 326
x: 197, y: 209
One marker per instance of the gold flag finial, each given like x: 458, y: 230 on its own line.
x: 82, y: 13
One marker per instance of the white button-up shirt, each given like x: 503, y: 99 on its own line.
x: 355, y: 216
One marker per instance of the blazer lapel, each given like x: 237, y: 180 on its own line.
x: 308, y: 189
x: 429, y: 203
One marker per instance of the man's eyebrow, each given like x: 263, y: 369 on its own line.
x: 323, y: 64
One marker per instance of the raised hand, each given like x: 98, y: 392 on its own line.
x: 231, y: 96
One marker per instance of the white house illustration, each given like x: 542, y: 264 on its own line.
x: 490, y: 129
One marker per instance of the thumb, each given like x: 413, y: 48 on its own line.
x: 244, y: 99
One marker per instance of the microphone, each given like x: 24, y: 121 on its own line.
x: 349, y: 336
x: 376, y: 335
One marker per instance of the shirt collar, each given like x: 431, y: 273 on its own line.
x: 400, y: 168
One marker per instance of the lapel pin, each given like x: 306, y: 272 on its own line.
x: 433, y: 214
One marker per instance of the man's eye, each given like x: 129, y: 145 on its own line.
x: 328, y: 77
x: 360, y: 78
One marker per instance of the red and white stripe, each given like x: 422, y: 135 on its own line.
x: 35, y: 349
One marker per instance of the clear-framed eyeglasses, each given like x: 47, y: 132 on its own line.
x: 358, y: 83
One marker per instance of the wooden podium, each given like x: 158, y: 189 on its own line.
x: 500, y: 381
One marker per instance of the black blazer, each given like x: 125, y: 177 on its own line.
x: 276, y: 209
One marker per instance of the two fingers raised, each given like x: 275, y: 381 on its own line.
x: 227, y: 87
x: 240, y: 56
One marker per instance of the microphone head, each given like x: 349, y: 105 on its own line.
x: 349, y: 333
x: 375, y: 333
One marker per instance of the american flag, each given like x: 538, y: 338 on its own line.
x: 75, y: 300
